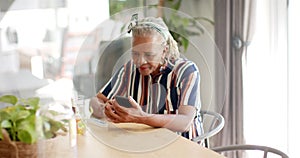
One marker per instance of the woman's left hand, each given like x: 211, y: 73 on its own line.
x: 121, y: 114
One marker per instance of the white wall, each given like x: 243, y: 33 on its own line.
x: 202, y: 49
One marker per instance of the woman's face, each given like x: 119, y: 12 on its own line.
x: 147, y: 53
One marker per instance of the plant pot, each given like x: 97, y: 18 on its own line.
x: 13, y: 149
x: 16, y: 149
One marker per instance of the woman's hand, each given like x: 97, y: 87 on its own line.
x: 180, y: 122
x: 118, y: 114
x: 98, y: 107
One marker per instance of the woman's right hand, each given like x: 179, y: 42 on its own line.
x: 120, y: 114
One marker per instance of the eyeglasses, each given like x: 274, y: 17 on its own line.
x: 149, y: 57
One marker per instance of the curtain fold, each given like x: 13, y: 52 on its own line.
x: 234, y: 28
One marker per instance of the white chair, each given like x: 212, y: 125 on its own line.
x: 213, y: 123
x: 245, y: 147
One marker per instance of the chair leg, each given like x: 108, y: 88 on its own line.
x: 206, y: 142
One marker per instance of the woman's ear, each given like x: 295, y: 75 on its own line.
x: 166, y: 49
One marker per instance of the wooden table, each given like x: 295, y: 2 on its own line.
x: 137, y: 140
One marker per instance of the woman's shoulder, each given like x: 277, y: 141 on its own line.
x: 183, y: 68
x: 184, y: 63
x: 183, y: 60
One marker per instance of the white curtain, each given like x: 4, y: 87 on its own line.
x: 265, y: 78
x: 293, y: 78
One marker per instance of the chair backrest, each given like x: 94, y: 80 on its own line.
x: 111, y: 52
x: 213, y: 122
x: 245, y: 147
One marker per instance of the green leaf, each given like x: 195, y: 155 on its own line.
x: 28, y: 122
x: 48, y: 135
x: 26, y: 130
x: 32, y: 102
x: 27, y: 136
x: 185, y: 43
x: 200, y: 28
x: 46, y: 126
x: 173, y: 4
x: 4, y: 115
x: 11, y: 99
x: 55, y: 125
x: 185, y: 21
x: 192, y: 33
x: 50, y: 127
x: 46, y: 129
x: 6, y: 124
x: 205, y: 19
x: 20, y: 121
x: 16, y: 108
x: 176, y: 6
x: 20, y: 115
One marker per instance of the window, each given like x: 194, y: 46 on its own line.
x: 265, y: 72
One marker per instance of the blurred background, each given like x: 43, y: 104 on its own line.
x: 45, y: 45
x: 40, y: 41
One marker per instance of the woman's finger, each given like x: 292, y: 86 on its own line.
x: 133, y: 102
x: 111, y: 113
x: 119, y: 109
x: 107, y: 113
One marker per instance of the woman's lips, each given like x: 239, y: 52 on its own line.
x: 143, y: 67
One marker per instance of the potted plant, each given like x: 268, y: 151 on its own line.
x: 180, y: 26
x: 18, y: 121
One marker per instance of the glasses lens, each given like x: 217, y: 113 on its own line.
x: 146, y: 56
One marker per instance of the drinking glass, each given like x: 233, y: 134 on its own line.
x: 56, y: 129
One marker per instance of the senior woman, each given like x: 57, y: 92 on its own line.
x: 162, y: 87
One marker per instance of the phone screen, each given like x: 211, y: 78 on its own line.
x: 123, y: 101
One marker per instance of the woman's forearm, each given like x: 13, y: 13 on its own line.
x: 179, y: 122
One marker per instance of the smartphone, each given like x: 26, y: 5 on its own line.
x: 123, y: 101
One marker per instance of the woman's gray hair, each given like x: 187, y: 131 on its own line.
x: 149, y: 25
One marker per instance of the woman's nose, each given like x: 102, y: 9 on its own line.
x: 141, y: 60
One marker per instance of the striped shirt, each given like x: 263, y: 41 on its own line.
x: 178, y: 83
